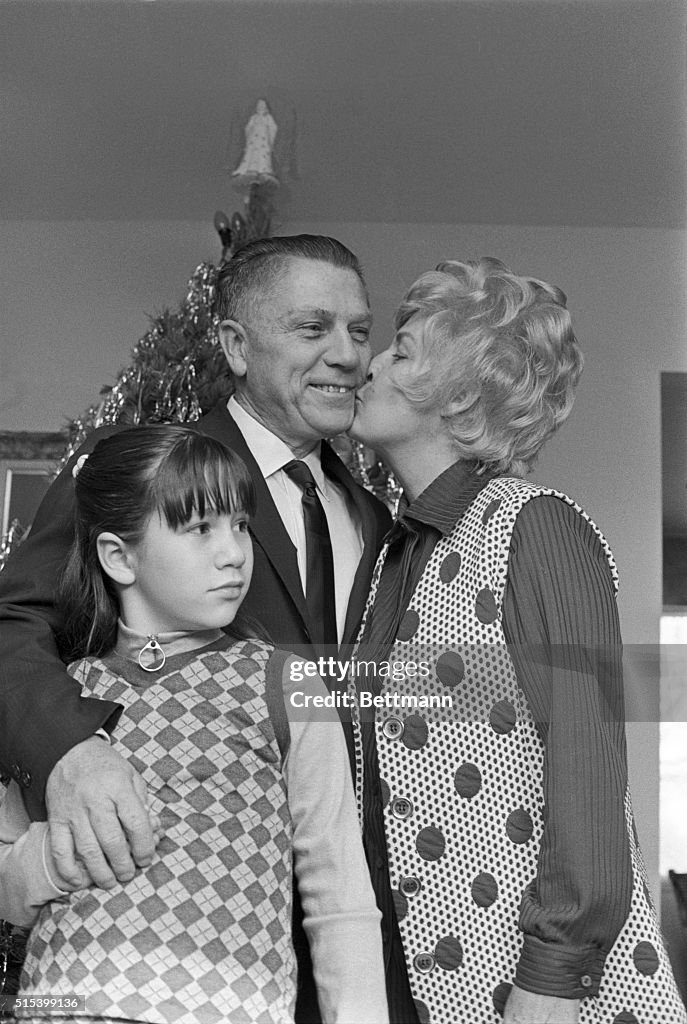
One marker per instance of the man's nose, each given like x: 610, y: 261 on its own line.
x: 344, y: 351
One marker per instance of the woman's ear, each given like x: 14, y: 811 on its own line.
x: 116, y: 558
x: 460, y: 401
x: 233, y: 339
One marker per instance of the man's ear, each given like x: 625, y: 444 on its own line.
x: 233, y: 339
x: 116, y: 558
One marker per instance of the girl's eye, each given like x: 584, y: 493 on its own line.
x: 200, y: 528
x: 242, y: 526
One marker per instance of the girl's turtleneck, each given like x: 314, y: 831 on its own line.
x: 130, y: 643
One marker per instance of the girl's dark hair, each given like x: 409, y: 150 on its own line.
x: 169, y: 469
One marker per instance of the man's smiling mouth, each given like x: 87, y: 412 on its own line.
x: 334, y: 389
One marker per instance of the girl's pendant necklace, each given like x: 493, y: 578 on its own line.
x: 151, y: 658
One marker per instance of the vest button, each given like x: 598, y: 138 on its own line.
x: 423, y: 962
x: 410, y: 886
x: 393, y: 728
x: 401, y: 808
x: 586, y: 981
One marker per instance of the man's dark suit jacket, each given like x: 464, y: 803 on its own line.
x: 42, y: 714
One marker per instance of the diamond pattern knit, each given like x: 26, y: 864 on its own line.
x: 203, y: 934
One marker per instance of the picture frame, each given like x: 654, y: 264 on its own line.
x: 28, y: 463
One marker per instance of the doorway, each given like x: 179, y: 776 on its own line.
x: 673, y: 638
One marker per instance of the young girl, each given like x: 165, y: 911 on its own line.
x: 161, y: 563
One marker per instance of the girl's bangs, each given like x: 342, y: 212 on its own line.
x: 195, y: 479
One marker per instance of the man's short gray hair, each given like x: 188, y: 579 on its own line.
x: 255, y: 267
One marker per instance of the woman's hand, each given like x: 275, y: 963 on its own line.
x: 530, y: 1008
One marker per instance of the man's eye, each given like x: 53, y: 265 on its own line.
x: 313, y: 328
x: 396, y: 357
x: 361, y: 334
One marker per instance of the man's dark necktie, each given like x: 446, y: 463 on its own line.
x: 319, y: 585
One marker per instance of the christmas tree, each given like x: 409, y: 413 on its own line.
x: 177, y: 370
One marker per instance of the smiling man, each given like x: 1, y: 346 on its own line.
x: 295, y: 326
x: 295, y: 323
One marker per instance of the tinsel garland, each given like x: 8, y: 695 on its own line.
x: 12, y: 951
x: 10, y: 540
x: 177, y: 373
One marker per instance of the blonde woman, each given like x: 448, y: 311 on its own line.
x: 500, y: 834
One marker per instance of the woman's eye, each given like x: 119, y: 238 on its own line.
x: 242, y: 526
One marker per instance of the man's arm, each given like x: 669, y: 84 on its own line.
x: 42, y: 713
x: 43, y: 717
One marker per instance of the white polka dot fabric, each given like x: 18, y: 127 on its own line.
x: 463, y: 814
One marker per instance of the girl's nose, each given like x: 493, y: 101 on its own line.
x: 229, y: 549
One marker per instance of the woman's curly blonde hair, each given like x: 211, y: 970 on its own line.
x: 500, y: 356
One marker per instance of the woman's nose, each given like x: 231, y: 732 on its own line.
x: 371, y: 368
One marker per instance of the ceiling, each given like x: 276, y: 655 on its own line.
x: 461, y: 111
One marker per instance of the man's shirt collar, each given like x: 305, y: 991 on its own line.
x: 269, y: 451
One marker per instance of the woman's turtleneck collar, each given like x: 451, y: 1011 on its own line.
x: 130, y: 643
x: 447, y: 498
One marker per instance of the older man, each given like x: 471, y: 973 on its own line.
x: 295, y: 323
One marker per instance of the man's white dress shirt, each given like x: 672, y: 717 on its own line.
x: 345, y: 531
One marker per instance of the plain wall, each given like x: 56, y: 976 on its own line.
x: 76, y: 294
